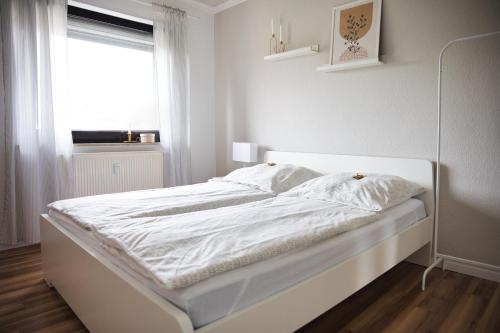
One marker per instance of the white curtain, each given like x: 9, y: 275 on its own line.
x: 35, y: 147
x: 57, y: 78
x: 172, y: 89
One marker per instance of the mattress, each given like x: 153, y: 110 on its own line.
x: 226, y: 293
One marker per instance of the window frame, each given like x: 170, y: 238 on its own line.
x: 90, y: 15
x: 98, y: 27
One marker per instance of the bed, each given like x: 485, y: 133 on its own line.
x: 110, y: 298
x: 241, y: 186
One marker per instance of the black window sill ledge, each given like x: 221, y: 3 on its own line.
x: 110, y: 137
x: 116, y: 144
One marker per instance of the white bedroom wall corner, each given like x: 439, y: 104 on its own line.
x: 202, y: 101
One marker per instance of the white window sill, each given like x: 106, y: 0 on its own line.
x: 115, y: 147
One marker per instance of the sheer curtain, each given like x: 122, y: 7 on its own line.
x: 57, y: 79
x: 171, y: 72
x: 35, y: 147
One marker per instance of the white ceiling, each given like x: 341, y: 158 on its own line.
x: 216, y: 5
x: 213, y: 3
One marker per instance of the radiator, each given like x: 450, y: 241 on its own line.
x: 100, y: 173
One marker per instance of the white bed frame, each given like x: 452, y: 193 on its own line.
x: 107, y: 299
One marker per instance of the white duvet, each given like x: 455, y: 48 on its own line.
x: 178, y: 251
x: 114, y: 208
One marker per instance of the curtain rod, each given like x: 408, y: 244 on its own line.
x: 150, y: 4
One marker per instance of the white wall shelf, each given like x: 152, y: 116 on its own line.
x: 310, y: 50
x: 349, y: 65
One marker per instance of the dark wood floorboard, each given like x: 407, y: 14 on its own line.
x: 27, y: 304
x: 393, y: 303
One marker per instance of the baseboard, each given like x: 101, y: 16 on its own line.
x: 471, y: 267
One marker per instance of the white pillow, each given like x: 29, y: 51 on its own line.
x: 373, y: 192
x: 275, y: 178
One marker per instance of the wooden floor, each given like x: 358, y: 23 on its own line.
x: 27, y: 304
x: 393, y: 303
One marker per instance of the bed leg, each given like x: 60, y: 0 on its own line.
x: 424, y: 276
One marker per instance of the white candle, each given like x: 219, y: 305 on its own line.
x: 129, y: 129
x: 272, y: 25
x: 281, y: 34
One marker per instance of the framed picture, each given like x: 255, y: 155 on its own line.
x: 355, y: 32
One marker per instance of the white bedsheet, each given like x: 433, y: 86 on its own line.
x: 226, y: 293
x: 114, y: 208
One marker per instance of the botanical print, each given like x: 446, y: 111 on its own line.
x: 355, y: 32
x: 354, y: 24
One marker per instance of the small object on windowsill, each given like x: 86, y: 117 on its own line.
x: 358, y: 176
x: 146, y: 138
x: 271, y: 164
x: 129, y: 137
x: 142, y: 138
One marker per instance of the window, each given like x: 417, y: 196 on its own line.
x: 111, y: 80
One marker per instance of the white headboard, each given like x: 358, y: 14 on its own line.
x: 415, y: 170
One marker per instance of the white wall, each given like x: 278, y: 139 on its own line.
x: 388, y: 110
x: 201, y: 43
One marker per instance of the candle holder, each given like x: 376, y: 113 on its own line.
x: 273, y: 42
x: 129, y: 138
x: 281, y: 47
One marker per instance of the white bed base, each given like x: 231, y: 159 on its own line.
x: 107, y: 299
